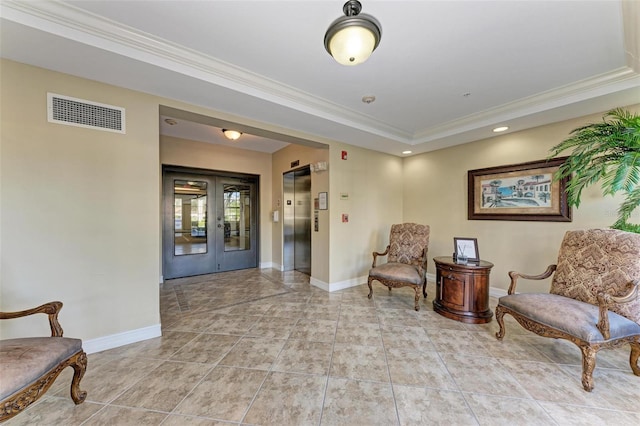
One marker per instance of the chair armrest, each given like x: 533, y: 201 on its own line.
x: 605, y: 300
x: 515, y: 275
x: 376, y: 254
x: 51, y: 309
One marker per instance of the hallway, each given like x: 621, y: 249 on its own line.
x: 262, y: 347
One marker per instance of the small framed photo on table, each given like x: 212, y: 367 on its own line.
x: 466, y: 249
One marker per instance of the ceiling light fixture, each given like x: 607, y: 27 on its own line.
x: 500, y: 129
x: 352, y: 38
x: 406, y: 152
x: 231, y: 134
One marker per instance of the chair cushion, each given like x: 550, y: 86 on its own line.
x: 596, y: 260
x: 24, y: 360
x: 407, y: 243
x: 576, y: 318
x: 397, y: 272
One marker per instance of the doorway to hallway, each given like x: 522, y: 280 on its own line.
x: 209, y: 222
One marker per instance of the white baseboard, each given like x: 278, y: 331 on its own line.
x: 340, y: 285
x: 497, y: 292
x: 271, y: 265
x: 121, y: 339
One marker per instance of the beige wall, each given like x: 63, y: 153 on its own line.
x: 79, y: 208
x: 180, y: 152
x: 435, y: 192
x: 373, y: 182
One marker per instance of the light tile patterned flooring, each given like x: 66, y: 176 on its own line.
x: 262, y: 347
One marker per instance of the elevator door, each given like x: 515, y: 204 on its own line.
x: 209, y: 224
x: 297, y: 220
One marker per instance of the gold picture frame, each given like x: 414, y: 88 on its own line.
x: 525, y: 191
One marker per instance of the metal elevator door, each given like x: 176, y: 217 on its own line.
x: 297, y: 220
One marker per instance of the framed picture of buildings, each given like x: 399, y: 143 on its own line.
x: 526, y: 191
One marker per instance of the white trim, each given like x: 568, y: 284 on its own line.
x: 116, y: 340
x: 497, y: 292
x: 270, y: 265
x: 340, y: 285
x: 431, y: 278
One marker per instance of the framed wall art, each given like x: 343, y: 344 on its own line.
x: 526, y: 191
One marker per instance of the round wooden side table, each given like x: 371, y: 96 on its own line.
x: 462, y: 291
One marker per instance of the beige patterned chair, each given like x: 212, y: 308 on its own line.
x: 29, y: 365
x: 594, y: 300
x: 406, y: 260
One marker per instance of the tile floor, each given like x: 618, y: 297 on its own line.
x: 261, y: 347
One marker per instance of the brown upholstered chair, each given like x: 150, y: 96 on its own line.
x: 30, y: 365
x: 594, y: 300
x: 406, y: 260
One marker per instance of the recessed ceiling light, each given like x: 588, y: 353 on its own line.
x: 368, y: 99
x: 500, y: 129
x: 406, y: 152
x: 170, y: 121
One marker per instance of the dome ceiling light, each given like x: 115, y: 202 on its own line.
x: 352, y: 38
x: 231, y: 134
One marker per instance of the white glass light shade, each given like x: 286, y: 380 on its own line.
x: 231, y: 134
x: 352, y: 45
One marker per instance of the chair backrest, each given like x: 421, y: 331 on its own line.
x: 408, y: 243
x: 596, y: 260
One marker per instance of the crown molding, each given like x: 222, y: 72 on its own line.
x: 76, y: 24
x: 611, y: 82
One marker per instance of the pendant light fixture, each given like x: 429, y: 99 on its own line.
x: 231, y: 134
x: 352, y: 38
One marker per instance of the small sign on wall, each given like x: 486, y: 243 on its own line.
x: 322, y: 201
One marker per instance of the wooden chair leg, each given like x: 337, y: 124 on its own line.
x: 79, y: 365
x: 588, y: 365
x: 633, y: 358
x: 417, y: 304
x: 369, y: 281
x: 424, y: 289
x: 500, y: 320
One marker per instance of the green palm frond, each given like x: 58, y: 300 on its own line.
x: 607, y: 152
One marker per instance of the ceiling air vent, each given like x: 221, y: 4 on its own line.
x: 81, y: 113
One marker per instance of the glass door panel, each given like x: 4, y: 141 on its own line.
x: 190, y: 217
x: 237, y: 217
x: 237, y: 223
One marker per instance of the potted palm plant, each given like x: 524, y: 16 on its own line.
x: 609, y: 152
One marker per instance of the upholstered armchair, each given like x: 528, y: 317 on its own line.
x: 30, y: 365
x: 594, y: 300
x: 406, y: 260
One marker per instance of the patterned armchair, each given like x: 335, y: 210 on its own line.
x: 594, y: 300
x: 406, y: 260
x: 29, y: 365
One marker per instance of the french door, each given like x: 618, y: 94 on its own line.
x: 209, y: 223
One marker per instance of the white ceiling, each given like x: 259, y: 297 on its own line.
x: 445, y: 73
